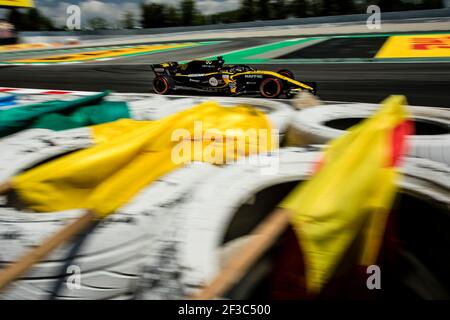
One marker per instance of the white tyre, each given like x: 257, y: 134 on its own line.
x: 321, y: 124
x: 28, y: 148
x: 25, y: 149
x: 120, y: 238
x: 188, y: 253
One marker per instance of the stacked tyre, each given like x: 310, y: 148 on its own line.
x: 321, y: 124
x: 106, y: 261
x: 176, y: 234
x: 31, y: 147
x: 211, y: 221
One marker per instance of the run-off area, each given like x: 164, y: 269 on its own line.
x: 349, y: 48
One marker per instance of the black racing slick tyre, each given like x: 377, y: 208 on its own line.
x: 271, y: 88
x: 162, y: 85
x: 287, y: 73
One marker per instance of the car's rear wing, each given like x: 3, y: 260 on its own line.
x: 159, y: 69
x: 164, y: 68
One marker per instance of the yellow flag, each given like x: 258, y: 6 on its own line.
x: 107, y: 131
x: 131, y: 155
x: 355, y: 184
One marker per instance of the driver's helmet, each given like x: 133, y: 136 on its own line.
x: 220, y: 62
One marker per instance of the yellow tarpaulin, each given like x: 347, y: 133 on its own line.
x: 17, y: 3
x: 131, y: 155
x: 354, y: 186
x: 107, y: 131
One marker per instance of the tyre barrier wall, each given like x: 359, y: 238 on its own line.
x: 171, y: 239
x: 110, y: 256
x: 203, y: 220
x: 152, y: 107
x: 279, y: 113
x: 321, y: 124
x: 30, y: 147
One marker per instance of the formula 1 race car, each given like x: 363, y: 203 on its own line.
x: 216, y: 76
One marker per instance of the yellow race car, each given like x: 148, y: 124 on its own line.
x: 216, y: 76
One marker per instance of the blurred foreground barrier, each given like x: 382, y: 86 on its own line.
x: 7, y: 100
x: 305, y: 100
x: 205, y: 229
x: 30, y: 147
x: 110, y: 256
x: 198, y: 224
x: 61, y: 115
x: 179, y: 232
x: 93, y: 179
x: 324, y: 123
x: 351, y: 192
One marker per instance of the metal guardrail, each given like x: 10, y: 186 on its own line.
x: 354, y: 18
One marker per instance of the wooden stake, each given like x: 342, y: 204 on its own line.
x: 264, y: 237
x: 19, y: 268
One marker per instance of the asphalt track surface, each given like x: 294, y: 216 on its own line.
x: 426, y: 84
x: 340, y: 48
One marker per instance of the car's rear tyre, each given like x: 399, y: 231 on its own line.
x: 271, y: 88
x: 287, y: 73
x: 162, y: 85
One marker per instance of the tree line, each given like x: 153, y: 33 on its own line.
x: 29, y: 20
x: 160, y: 15
x: 157, y: 15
